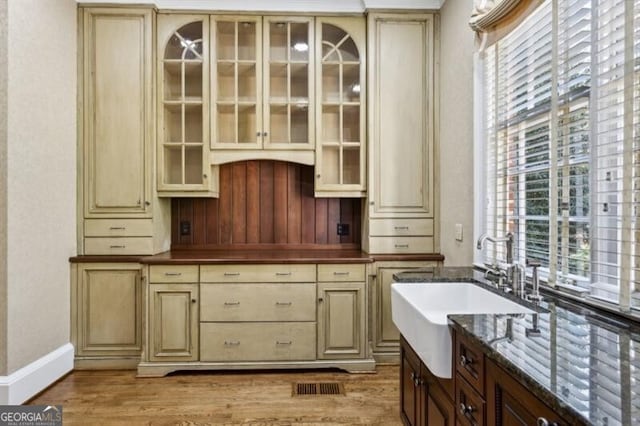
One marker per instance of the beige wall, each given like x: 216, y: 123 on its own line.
x: 41, y: 180
x: 3, y: 188
x: 456, y: 131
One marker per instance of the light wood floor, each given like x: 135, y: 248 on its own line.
x: 219, y: 398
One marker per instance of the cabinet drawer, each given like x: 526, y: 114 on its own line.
x: 258, y: 302
x: 333, y: 273
x: 173, y: 274
x: 280, y: 341
x: 118, y: 228
x: 469, y: 362
x: 258, y: 273
x: 401, y: 245
x: 470, y: 405
x: 118, y: 246
x: 400, y: 227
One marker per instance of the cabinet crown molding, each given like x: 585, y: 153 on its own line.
x: 299, y: 6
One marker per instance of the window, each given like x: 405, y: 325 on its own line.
x: 561, y: 124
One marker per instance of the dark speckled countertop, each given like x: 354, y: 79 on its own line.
x: 583, y: 363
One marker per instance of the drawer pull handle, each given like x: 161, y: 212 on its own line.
x: 466, y: 410
x: 232, y: 342
x: 287, y: 343
x: 544, y: 422
x: 465, y: 362
x: 283, y: 274
x: 399, y: 228
x: 402, y: 245
x: 283, y: 303
x: 117, y: 228
x: 117, y: 247
x: 341, y: 273
x: 231, y: 303
x: 173, y: 274
x: 231, y: 274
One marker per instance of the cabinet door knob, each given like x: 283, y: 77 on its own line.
x: 193, y: 300
x: 544, y: 422
x: 464, y: 361
x: 147, y: 203
x: 320, y: 299
x: 265, y: 134
x: 465, y: 410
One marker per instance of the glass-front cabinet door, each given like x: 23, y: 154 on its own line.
x: 340, y: 112
x: 288, y: 83
x: 236, y: 82
x: 183, y: 161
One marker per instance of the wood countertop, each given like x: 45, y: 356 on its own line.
x: 193, y: 257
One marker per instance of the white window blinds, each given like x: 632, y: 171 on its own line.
x: 562, y: 145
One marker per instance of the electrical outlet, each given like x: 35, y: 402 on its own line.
x: 343, y: 229
x: 185, y: 228
x: 458, y: 232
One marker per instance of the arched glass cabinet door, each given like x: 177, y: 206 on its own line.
x: 340, y: 137
x: 183, y: 106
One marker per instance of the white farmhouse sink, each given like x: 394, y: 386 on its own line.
x: 420, y: 310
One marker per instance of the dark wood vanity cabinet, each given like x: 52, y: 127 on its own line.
x: 425, y: 400
x: 481, y: 393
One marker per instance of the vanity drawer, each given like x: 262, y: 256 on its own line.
x: 276, y: 341
x: 258, y: 273
x: 469, y: 362
x: 407, y: 245
x: 400, y: 227
x: 173, y: 274
x: 258, y: 302
x: 343, y: 272
x: 118, y: 228
x: 118, y: 245
x: 470, y: 405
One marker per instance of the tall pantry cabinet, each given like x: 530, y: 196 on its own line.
x: 118, y: 211
x: 401, y: 208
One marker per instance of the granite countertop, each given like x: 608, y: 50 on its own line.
x: 583, y: 363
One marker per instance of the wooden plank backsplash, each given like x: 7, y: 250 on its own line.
x: 265, y: 203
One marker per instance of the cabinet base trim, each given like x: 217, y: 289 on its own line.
x: 19, y: 386
x: 94, y: 363
x: 156, y: 369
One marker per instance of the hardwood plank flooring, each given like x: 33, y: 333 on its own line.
x: 224, y: 398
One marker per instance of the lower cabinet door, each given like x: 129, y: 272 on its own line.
x: 437, y: 407
x: 341, y: 320
x: 410, y: 401
x: 173, y: 328
x: 108, y: 309
x: 514, y: 404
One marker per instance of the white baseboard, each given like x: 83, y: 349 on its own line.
x: 28, y: 381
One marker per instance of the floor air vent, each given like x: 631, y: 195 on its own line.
x: 311, y: 389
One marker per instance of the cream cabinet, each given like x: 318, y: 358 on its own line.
x: 173, y: 313
x: 106, y: 314
x: 340, y: 107
x: 120, y: 214
x: 385, y: 337
x: 402, y: 132
x: 183, y: 107
x: 341, y: 312
x: 262, y: 87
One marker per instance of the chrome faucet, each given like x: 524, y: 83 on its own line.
x: 535, y: 282
x: 508, y: 239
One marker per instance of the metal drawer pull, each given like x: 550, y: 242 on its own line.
x: 402, y: 245
x: 232, y: 342
x: 283, y: 274
x: 398, y: 228
x: 117, y: 228
x: 117, y: 247
x: 231, y: 303
x: 341, y: 273
x: 283, y: 303
x: 173, y: 274
x: 544, y: 422
x: 287, y: 343
x: 231, y: 274
x: 465, y: 410
x: 464, y: 361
